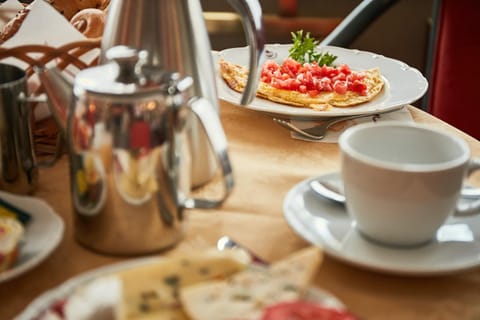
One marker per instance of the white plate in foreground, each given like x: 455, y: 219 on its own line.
x: 403, y: 84
x: 107, y: 292
x: 323, y: 222
x: 42, y: 234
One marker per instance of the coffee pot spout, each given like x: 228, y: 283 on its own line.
x: 59, y: 90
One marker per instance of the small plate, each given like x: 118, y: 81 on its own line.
x: 325, y: 223
x: 403, y: 84
x: 103, y: 291
x: 42, y: 234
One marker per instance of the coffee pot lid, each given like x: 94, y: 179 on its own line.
x: 124, y: 75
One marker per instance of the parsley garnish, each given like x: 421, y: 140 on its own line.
x: 303, y: 50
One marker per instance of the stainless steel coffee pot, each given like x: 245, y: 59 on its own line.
x: 174, y: 34
x: 126, y: 135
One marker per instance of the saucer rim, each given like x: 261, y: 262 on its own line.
x: 316, y: 238
x: 47, y: 229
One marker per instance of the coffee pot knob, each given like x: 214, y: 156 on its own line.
x: 127, y: 59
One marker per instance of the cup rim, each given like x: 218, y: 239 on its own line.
x: 20, y: 76
x: 345, y: 147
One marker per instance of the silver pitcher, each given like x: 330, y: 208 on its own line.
x: 18, y: 167
x: 126, y: 136
x: 174, y: 34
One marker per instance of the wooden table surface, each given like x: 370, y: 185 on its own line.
x: 267, y: 163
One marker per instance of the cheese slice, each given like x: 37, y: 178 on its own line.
x: 152, y: 291
x: 247, y: 293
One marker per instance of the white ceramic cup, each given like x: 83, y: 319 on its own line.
x: 402, y: 181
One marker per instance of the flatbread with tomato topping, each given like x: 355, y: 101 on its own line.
x: 372, y: 83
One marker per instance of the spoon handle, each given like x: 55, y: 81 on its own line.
x: 328, y: 191
x: 226, y: 242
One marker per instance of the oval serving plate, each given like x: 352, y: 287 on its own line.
x: 51, y: 298
x: 403, y: 84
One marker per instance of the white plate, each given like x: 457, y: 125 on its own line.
x: 105, y: 300
x: 42, y: 234
x: 403, y: 84
x: 323, y: 222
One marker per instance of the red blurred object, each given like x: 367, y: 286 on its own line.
x: 288, y: 8
x: 304, y: 310
x: 140, y: 135
x: 453, y: 95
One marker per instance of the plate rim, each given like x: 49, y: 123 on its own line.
x: 40, y: 303
x: 363, y: 264
x: 309, y: 114
x: 47, y: 298
x: 54, y: 238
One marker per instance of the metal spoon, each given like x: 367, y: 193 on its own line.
x: 226, y: 242
x: 335, y: 193
x: 328, y: 191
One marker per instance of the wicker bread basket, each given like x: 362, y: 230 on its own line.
x: 67, y: 58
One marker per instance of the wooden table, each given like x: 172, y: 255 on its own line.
x: 266, y: 163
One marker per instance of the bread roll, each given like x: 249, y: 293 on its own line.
x: 70, y: 7
x: 9, y: 29
x: 90, y: 22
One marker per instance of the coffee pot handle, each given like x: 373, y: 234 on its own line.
x: 251, y: 13
x: 470, y: 208
x: 26, y: 102
x: 210, y: 121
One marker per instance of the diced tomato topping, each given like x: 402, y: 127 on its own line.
x: 358, y: 86
x: 344, y: 69
x: 311, y: 78
x: 325, y: 84
x: 340, y: 76
x: 290, y: 67
x: 340, y: 87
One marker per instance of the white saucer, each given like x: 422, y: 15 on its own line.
x: 325, y: 223
x: 42, y: 234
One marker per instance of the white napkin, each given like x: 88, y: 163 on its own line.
x: 8, y: 10
x: 336, y: 130
x: 44, y: 25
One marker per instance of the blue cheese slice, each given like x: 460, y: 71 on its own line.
x: 152, y: 291
x: 247, y: 293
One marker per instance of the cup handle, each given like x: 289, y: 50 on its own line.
x: 472, y: 208
x: 210, y: 121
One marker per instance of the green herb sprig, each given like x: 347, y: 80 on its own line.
x: 303, y: 50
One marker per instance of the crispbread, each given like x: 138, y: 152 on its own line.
x: 235, y: 76
x: 247, y: 293
x: 151, y: 291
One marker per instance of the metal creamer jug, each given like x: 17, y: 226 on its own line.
x: 18, y: 166
x: 130, y: 165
